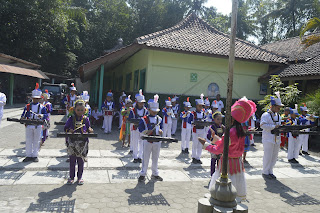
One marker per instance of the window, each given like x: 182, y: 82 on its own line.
x: 136, y: 80
x: 128, y: 79
x: 142, y: 79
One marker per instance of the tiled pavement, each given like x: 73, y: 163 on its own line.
x: 111, y: 185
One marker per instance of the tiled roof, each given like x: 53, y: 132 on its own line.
x: 308, y: 68
x: 293, y: 49
x: 195, y: 35
x: 302, y: 62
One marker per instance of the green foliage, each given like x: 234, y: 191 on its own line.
x: 289, y: 94
x: 313, y: 102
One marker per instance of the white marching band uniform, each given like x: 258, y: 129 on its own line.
x: 136, y: 143
x: 208, y: 115
x: 186, y: 127
x: 33, y: 133
x: 3, y: 100
x: 108, y: 108
x: 197, y: 132
x: 175, y: 109
x: 168, y: 115
x: 293, y: 141
x: 304, y: 138
x: 271, y: 142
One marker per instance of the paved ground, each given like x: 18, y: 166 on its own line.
x: 111, y: 184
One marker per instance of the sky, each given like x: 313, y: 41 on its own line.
x: 223, y: 6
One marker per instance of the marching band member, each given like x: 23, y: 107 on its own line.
x: 197, y: 131
x: 175, y: 109
x: 271, y: 142
x: 241, y: 111
x: 77, y: 150
x: 208, y: 113
x: 284, y: 136
x: 125, y: 128
x: 185, y: 127
x: 85, y: 97
x: 219, y: 130
x: 108, y: 109
x: 168, y: 115
x: 151, y: 125
x: 136, y: 113
x: 252, y: 125
x: 48, y: 106
x: 219, y: 103
x: 70, y: 98
x: 293, y: 140
x: 122, y: 104
x: 305, y: 119
x: 3, y: 100
x: 96, y: 116
x: 214, y: 106
x: 34, y: 111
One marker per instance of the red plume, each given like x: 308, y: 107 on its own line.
x: 72, y: 84
x: 304, y: 104
x: 109, y: 90
x: 188, y: 99
x: 207, y: 99
x: 37, y: 86
x: 215, y: 101
x: 169, y: 98
x: 46, y: 91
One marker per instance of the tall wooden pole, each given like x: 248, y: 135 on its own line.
x: 230, y: 87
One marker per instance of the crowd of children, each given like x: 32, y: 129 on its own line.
x: 136, y: 118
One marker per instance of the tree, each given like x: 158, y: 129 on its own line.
x: 312, y: 24
x: 219, y: 21
x: 289, y: 94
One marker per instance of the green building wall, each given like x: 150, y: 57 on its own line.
x: 169, y: 73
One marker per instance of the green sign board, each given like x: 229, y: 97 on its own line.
x: 193, y: 77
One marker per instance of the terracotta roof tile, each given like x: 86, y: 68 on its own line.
x: 195, y: 35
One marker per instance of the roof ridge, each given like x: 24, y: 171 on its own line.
x: 164, y: 31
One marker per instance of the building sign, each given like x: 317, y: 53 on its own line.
x: 193, y: 77
x: 263, y: 89
x: 213, y: 90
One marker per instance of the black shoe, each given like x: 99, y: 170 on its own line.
x: 295, y: 161
x: 157, y: 178
x: 266, y: 176
x: 27, y: 159
x: 139, y: 160
x: 141, y: 178
x: 35, y: 159
x: 199, y: 161
x: 186, y: 150
x: 135, y: 160
x: 273, y: 176
x: 68, y: 160
x: 183, y: 151
x: 194, y: 161
x: 130, y: 152
x: 300, y: 153
x: 290, y: 161
x: 305, y: 153
x: 253, y: 144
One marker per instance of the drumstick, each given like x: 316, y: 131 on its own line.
x: 79, y: 127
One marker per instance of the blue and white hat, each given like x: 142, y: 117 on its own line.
x: 295, y: 110
x: 128, y: 99
x: 276, y: 101
x: 304, y: 107
x: 200, y: 101
x: 140, y: 97
x: 73, y: 88
x: 175, y: 99
x: 153, y: 104
x: 36, y: 93
x: 168, y: 102
x: 110, y: 94
x: 85, y: 96
x: 187, y: 103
